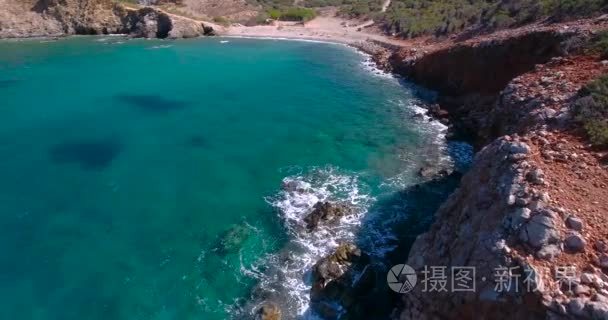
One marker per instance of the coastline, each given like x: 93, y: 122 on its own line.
x: 529, y: 127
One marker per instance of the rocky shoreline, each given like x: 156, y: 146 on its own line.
x: 534, y: 198
x: 511, y: 212
x: 51, y: 18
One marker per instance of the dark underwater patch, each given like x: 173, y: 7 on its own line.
x: 151, y: 103
x: 89, y: 154
x: 197, y: 141
x: 8, y: 83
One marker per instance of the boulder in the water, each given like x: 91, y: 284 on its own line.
x: 332, y: 268
x: 340, y: 280
x: 326, y: 212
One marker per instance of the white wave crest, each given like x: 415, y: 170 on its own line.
x: 291, y: 267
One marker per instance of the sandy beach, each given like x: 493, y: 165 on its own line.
x: 322, y: 28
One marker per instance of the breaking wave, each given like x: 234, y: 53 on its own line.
x: 288, y: 276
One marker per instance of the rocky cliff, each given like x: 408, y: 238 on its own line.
x: 30, y: 18
x: 470, y: 74
x: 529, y: 214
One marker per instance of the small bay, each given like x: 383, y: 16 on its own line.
x: 127, y: 166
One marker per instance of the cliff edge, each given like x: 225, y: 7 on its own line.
x: 529, y: 217
x: 44, y: 18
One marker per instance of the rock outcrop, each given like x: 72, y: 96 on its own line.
x: 341, y: 283
x: 471, y: 75
x: 326, y: 213
x: 514, y: 218
x: 29, y: 18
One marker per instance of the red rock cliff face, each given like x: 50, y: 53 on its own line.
x: 471, y: 75
x: 507, y: 217
x: 485, y: 67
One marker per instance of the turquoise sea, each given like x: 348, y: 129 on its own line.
x: 125, y: 163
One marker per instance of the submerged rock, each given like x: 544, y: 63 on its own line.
x: 269, y: 311
x: 326, y: 212
x: 232, y: 239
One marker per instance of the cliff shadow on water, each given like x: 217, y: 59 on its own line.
x: 361, y: 292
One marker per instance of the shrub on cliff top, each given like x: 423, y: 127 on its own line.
x: 592, y: 110
x: 599, y: 44
x: 412, y: 18
x: 292, y: 14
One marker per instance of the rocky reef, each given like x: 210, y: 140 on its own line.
x: 44, y: 18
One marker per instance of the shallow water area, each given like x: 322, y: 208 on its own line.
x: 141, y: 179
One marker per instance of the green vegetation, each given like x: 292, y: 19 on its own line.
x: 128, y: 3
x: 592, y: 110
x: 283, y: 10
x: 350, y: 8
x: 221, y: 21
x: 411, y: 18
x: 599, y: 44
x: 293, y: 14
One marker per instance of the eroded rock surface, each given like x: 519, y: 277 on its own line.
x: 40, y: 18
x: 326, y: 213
x: 341, y: 283
x: 531, y: 205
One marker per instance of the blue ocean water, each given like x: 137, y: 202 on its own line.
x: 125, y: 163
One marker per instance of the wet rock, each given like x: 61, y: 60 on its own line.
x: 426, y: 172
x: 295, y: 186
x: 574, y: 223
x: 326, y: 212
x: 333, y: 266
x: 269, y: 311
x: 575, y: 242
x: 341, y: 279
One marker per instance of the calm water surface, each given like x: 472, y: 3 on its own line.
x: 124, y: 162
